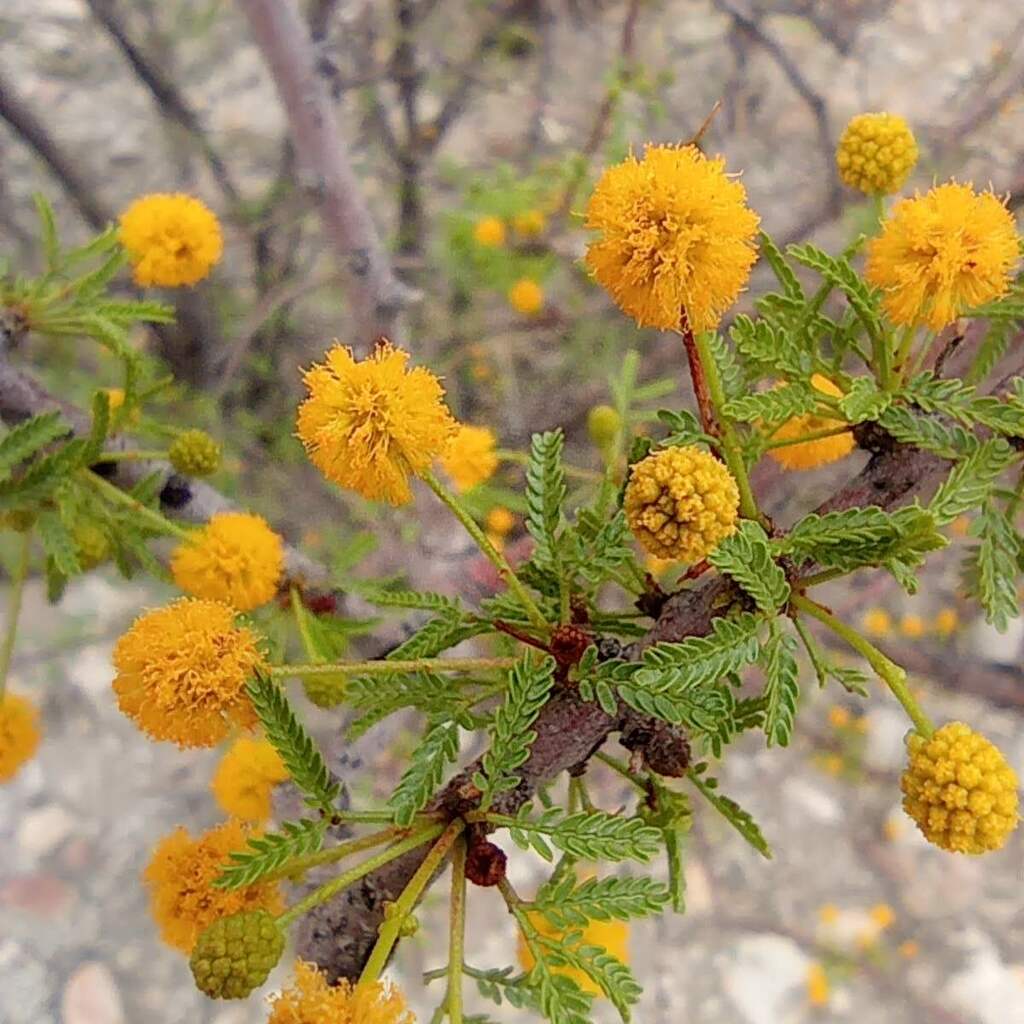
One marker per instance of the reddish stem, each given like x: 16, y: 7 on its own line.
x: 518, y: 634
x: 700, y: 381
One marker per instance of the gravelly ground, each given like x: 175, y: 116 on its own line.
x: 76, y: 942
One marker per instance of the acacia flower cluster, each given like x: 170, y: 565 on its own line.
x: 960, y: 790
x: 876, y: 153
x: 311, y: 1000
x: 674, y: 234
x: 171, y: 239
x: 19, y: 733
x: 471, y: 457
x: 681, y: 503
x: 235, y: 558
x: 369, y: 424
x: 180, y: 877
x: 612, y: 936
x: 182, y: 670
x: 245, y: 778
x: 818, y: 452
x: 943, y: 253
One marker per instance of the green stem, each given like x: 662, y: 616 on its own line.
x: 118, y: 497
x: 302, y: 624
x: 730, y: 442
x: 522, y: 459
x: 887, y: 670
x: 133, y: 456
x: 457, y: 932
x: 331, y: 889
x: 14, y: 607
x: 496, y: 558
x: 389, y: 930
x: 382, y: 667
x: 623, y: 769
x: 300, y: 865
x: 821, y: 577
x: 814, y: 435
x: 906, y: 342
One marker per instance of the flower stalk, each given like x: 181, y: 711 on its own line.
x: 390, y: 929
x: 18, y: 578
x: 330, y: 889
x: 887, y: 670
x: 496, y: 558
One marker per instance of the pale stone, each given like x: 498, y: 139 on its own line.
x: 91, y: 996
x: 41, y: 831
x: 765, y: 979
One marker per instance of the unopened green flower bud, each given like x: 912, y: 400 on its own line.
x: 195, y: 453
x: 603, y: 424
x: 236, y: 954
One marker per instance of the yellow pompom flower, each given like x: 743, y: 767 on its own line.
x: 947, y: 622
x: 839, y: 717
x: 499, y: 521
x: 818, y: 989
x: 811, y: 454
x: 912, y: 627
x: 876, y: 153
x: 489, y: 232
x: 526, y: 296
x: 943, y: 253
x: 311, y: 1000
x: 180, y: 877
x: 19, y: 733
x: 182, y: 670
x: 611, y: 936
x: 882, y: 915
x: 960, y: 790
x: 245, y: 778
x: 368, y: 424
x: 680, y: 503
x: 530, y: 223
x: 877, y: 622
x: 470, y: 457
x: 171, y: 239
x: 675, y: 234
x: 236, y: 558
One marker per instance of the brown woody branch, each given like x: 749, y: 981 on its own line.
x: 168, y: 97
x: 22, y: 119
x: 377, y: 297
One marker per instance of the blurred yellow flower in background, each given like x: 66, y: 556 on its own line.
x: 171, y: 239
x: 489, y: 232
x: 526, y: 296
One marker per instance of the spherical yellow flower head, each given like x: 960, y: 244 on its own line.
x: 19, y: 733
x: 913, y: 627
x: 245, y: 778
x: 811, y: 454
x: 367, y: 425
x: 877, y: 622
x: 611, y: 936
x: 115, y: 399
x: 530, y: 223
x: 310, y: 1000
x: 959, y: 789
x: 942, y: 254
x: 172, y: 240
x: 500, y: 521
x: 526, y: 296
x: 947, y: 622
x: 180, y: 877
x: 236, y: 558
x: 675, y: 234
x: 876, y: 153
x: 489, y: 232
x: 470, y: 457
x: 680, y: 503
x: 182, y: 670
